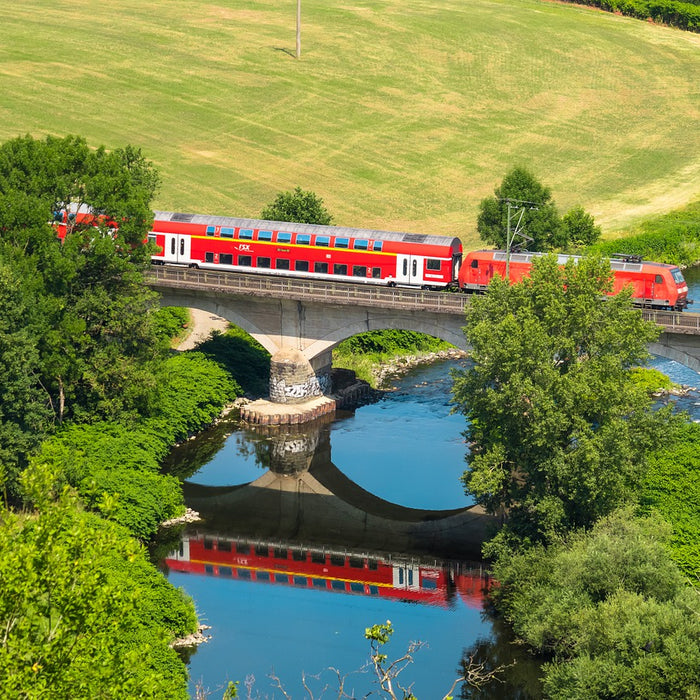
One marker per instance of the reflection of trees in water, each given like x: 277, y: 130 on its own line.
x: 518, y: 681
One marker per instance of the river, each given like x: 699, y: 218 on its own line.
x: 310, y: 536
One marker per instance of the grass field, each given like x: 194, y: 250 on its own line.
x: 401, y: 115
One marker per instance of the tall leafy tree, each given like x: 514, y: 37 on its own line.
x: 89, y: 312
x: 298, y: 206
x: 532, y: 211
x: 558, y: 430
x: 579, y: 227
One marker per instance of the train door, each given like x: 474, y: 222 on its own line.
x: 177, y: 249
x: 406, y: 577
x: 409, y: 269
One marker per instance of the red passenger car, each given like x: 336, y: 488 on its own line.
x: 339, y: 572
x: 305, y: 250
x: 654, y: 285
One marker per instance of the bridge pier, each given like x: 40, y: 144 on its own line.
x: 295, y: 380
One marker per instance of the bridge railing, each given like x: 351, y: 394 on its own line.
x: 311, y: 290
x: 355, y: 294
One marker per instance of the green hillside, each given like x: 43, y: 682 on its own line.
x: 401, y: 115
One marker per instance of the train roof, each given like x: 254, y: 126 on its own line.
x: 619, y: 264
x: 314, y: 229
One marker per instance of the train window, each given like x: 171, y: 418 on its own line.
x: 360, y: 245
x: 244, y: 574
x: 373, y: 590
x: 282, y: 264
x: 342, y: 242
x: 281, y: 578
x: 377, y: 273
x: 262, y: 550
x: 227, y: 233
x: 172, y: 247
x: 208, y: 543
x: 242, y: 548
x: 225, y: 571
x: 340, y: 269
x: 246, y: 233
x: 338, y: 585
x: 677, y: 276
x: 429, y: 584
x: 262, y: 576
x: 300, y: 580
x: 245, y: 260
x: 323, y: 240
x: 208, y: 569
x: 415, y: 268
x: 152, y: 238
x: 284, y: 237
x: 357, y: 587
x: 226, y: 258
x: 319, y: 582
x: 298, y: 555
x: 405, y: 267
x: 357, y: 563
x: 359, y: 271
x: 337, y: 560
x: 264, y: 262
x: 432, y: 264
x: 303, y: 239
x: 372, y: 564
x: 321, y: 268
x: 659, y: 279
x: 301, y: 265
x: 318, y: 557
x: 264, y: 235
x: 209, y: 257
x: 377, y: 245
x: 475, y: 264
x: 280, y: 553
x: 182, y: 246
x: 211, y: 230
x: 223, y: 545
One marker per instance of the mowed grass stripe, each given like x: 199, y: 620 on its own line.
x: 401, y: 115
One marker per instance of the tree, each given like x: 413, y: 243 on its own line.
x: 579, y: 227
x: 540, y: 221
x: 297, y: 206
x: 88, y: 310
x: 558, y: 429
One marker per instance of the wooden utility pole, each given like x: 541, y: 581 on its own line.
x: 298, y: 28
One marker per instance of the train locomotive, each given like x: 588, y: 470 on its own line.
x: 654, y: 285
x: 370, y: 257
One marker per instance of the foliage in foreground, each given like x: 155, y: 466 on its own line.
x: 558, y: 430
x: 83, y: 612
x: 116, y: 466
x: 672, y: 488
x: 676, y: 13
x: 611, y: 610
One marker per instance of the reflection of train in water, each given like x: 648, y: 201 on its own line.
x: 354, y: 573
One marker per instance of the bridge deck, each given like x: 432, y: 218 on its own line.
x: 355, y: 294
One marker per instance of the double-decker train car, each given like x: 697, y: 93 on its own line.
x: 340, y: 572
x: 304, y: 250
x: 654, y: 285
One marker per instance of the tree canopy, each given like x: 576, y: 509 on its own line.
x: 297, y: 206
x: 558, y: 430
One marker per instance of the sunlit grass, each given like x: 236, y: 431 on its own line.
x: 400, y: 115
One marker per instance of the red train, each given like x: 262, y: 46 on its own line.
x: 322, y: 570
x: 365, y: 256
x: 654, y: 285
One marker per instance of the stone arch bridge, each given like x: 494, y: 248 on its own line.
x: 300, y: 321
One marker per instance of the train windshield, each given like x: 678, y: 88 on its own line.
x: 677, y: 276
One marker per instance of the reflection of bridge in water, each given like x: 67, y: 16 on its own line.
x: 305, y: 500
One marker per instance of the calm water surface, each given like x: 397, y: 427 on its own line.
x: 367, y: 470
